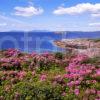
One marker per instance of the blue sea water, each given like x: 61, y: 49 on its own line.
x: 39, y: 41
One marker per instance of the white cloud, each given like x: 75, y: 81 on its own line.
x: 95, y: 24
x: 94, y: 9
x: 28, y: 11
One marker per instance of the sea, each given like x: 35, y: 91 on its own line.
x: 39, y: 42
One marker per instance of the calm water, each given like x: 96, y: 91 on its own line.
x: 38, y: 41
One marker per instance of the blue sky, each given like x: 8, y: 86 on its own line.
x: 53, y: 15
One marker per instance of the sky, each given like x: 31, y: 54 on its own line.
x: 50, y: 15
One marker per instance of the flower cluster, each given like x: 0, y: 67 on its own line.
x: 82, y: 77
x: 11, y: 52
x: 43, y: 77
x: 9, y: 75
x: 15, y: 60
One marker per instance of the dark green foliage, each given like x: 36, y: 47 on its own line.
x: 59, y: 55
x: 33, y: 91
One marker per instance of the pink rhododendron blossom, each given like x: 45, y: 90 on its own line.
x: 43, y: 77
x: 21, y: 74
x: 76, y: 91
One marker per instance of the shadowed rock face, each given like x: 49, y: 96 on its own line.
x: 84, y: 46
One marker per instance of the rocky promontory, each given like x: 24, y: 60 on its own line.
x: 90, y: 47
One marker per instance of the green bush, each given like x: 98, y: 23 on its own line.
x: 59, y: 55
x: 33, y: 91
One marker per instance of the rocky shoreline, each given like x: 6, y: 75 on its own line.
x: 89, y: 47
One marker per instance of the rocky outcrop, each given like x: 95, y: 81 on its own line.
x: 84, y: 46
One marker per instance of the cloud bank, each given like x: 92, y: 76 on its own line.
x: 93, y: 9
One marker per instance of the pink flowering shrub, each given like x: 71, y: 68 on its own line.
x: 46, y: 77
x: 15, y: 60
x: 82, y: 77
x: 11, y: 52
